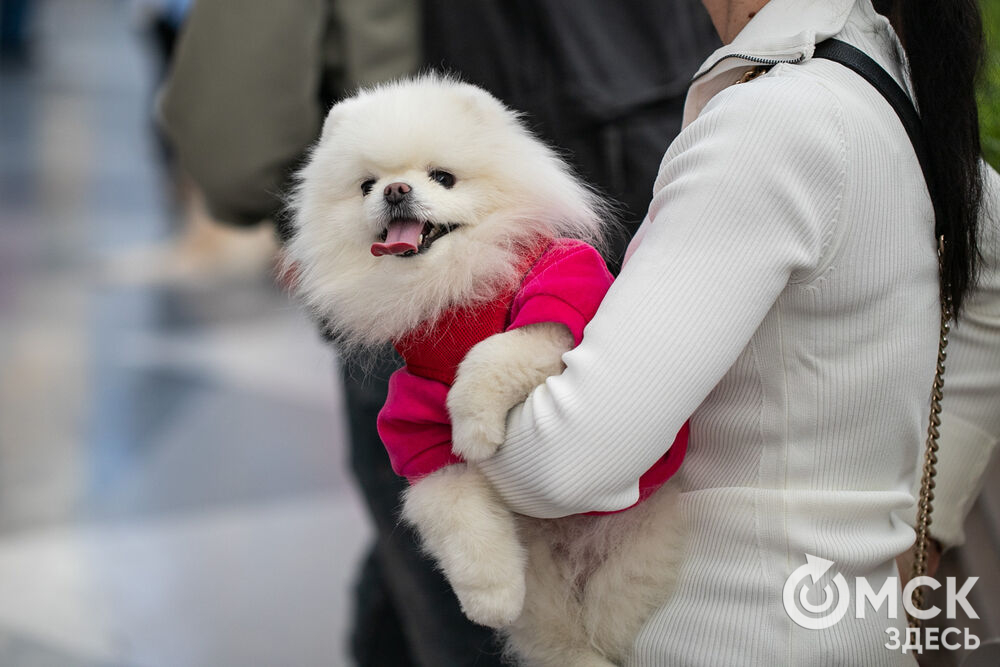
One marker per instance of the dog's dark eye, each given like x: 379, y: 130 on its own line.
x: 367, y: 186
x: 443, y: 177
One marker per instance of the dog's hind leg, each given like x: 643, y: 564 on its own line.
x: 550, y: 631
x: 473, y: 537
x: 644, y: 549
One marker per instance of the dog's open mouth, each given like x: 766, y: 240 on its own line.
x: 407, y: 237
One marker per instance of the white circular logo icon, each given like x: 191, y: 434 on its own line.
x: 810, y: 615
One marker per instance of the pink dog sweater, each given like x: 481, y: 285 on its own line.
x: 563, y: 283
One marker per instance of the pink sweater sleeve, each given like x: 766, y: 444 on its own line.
x: 566, y: 285
x: 414, y: 425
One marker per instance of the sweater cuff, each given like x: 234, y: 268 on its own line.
x: 963, y: 459
x: 549, y: 308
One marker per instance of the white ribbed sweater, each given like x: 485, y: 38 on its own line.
x: 782, y: 293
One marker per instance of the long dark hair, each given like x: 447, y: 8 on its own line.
x: 945, y: 47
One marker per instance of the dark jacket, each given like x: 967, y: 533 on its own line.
x: 602, y: 80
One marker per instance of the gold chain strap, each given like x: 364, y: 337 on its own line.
x: 752, y: 74
x: 926, y: 504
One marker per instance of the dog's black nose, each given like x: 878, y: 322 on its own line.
x: 395, y: 192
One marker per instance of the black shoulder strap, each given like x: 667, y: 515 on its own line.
x: 856, y: 60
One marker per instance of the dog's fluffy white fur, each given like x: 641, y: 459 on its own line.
x: 510, y: 189
x: 571, y: 591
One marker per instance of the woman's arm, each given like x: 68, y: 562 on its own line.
x: 745, y: 201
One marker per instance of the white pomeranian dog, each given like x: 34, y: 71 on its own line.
x: 423, y: 197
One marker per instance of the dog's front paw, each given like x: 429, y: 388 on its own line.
x: 476, y: 437
x: 495, y: 606
x: 497, y: 374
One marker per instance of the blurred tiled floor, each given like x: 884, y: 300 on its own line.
x: 173, y: 485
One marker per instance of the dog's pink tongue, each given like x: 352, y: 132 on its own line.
x: 403, y: 236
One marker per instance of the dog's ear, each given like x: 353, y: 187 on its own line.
x: 333, y: 118
x: 480, y: 104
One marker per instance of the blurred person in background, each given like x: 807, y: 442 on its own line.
x: 14, y: 43
x: 162, y: 21
x: 604, y: 81
x: 246, y: 97
x: 200, y: 250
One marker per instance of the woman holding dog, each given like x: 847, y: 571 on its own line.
x: 782, y: 294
